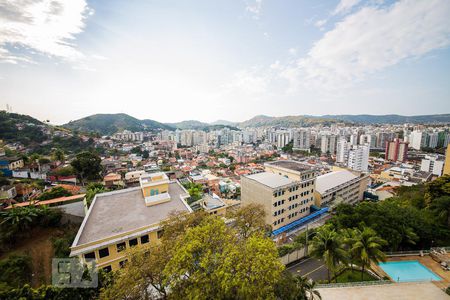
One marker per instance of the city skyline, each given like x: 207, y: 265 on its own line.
x: 205, y: 61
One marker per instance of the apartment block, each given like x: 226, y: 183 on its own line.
x: 340, y: 187
x: 396, y: 150
x: 447, y: 161
x: 126, y: 218
x: 285, y: 190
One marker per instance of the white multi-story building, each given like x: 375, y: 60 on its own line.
x: 328, y: 143
x: 433, y: 164
x: 417, y: 139
x: 433, y: 139
x: 358, y: 158
x: 342, y: 150
x: 302, y: 139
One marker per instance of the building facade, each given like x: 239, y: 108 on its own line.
x: 340, y: 187
x: 125, y: 218
x: 396, y: 150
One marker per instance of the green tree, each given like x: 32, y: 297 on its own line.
x: 92, y: 190
x: 209, y: 261
x: 327, y: 245
x: 367, y: 248
x: 55, y: 192
x: 199, y: 257
x: 58, y: 155
x: 441, y: 208
x: 87, y: 166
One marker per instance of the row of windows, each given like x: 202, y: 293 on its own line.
x: 293, y: 206
x: 278, y: 212
x: 294, y: 188
x: 307, y: 184
x: 307, y: 176
x: 293, y: 197
x: 278, y: 221
x: 293, y: 215
x: 104, y: 252
x: 278, y: 193
x: 279, y: 202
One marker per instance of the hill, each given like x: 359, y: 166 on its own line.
x: 188, y: 124
x: 107, y: 124
x: 392, y: 119
x: 223, y: 122
x: 197, y: 125
x: 21, y: 128
x: 287, y: 121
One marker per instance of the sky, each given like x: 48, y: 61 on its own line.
x: 169, y: 61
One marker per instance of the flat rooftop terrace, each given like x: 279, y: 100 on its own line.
x: 291, y: 165
x: 121, y: 211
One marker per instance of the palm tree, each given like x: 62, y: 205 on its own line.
x: 367, y: 248
x: 348, y: 239
x: 327, y: 244
x: 307, y: 288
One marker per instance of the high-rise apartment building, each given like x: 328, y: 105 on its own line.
x: 433, y: 164
x: 302, y: 140
x: 358, y: 158
x: 396, y: 150
x: 447, y: 161
x: 342, y: 150
x: 328, y: 143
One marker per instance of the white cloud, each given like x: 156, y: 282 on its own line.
x: 375, y: 38
x: 47, y: 26
x: 254, y: 7
x: 345, y: 6
x: 320, y: 23
x: 252, y: 82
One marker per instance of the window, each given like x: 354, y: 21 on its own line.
x: 122, y: 263
x: 107, y: 269
x: 90, y: 255
x: 133, y: 242
x: 121, y: 246
x: 160, y: 233
x: 103, y: 252
x: 144, y: 239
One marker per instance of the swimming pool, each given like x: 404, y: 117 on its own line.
x: 409, y: 270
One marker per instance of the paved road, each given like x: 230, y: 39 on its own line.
x: 310, y: 267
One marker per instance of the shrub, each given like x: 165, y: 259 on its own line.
x: 15, y: 271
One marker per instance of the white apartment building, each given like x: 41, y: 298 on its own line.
x: 433, y: 164
x: 302, y: 139
x: 358, y: 158
x: 328, y: 143
x: 342, y: 150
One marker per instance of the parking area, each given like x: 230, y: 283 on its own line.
x: 310, y: 267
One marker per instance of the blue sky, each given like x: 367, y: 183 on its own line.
x: 209, y: 60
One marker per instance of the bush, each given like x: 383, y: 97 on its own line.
x: 15, y: 271
x: 448, y: 290
x: 55, y: 192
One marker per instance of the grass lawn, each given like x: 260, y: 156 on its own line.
x: 353, y: 276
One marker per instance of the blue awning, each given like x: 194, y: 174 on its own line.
x: 301, y: 221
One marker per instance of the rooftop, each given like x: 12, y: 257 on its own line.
x: 270, y: 179
x: 121, y: 211
x: 333, y: 179
x: 291, y: 165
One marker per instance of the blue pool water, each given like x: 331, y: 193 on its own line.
x: 410, y: 270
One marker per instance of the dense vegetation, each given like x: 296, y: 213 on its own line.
x: 417, y: 218
x: 16, y: 223
x: 107, y: 124
x: 28, y: 133
x: 200, y: 257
